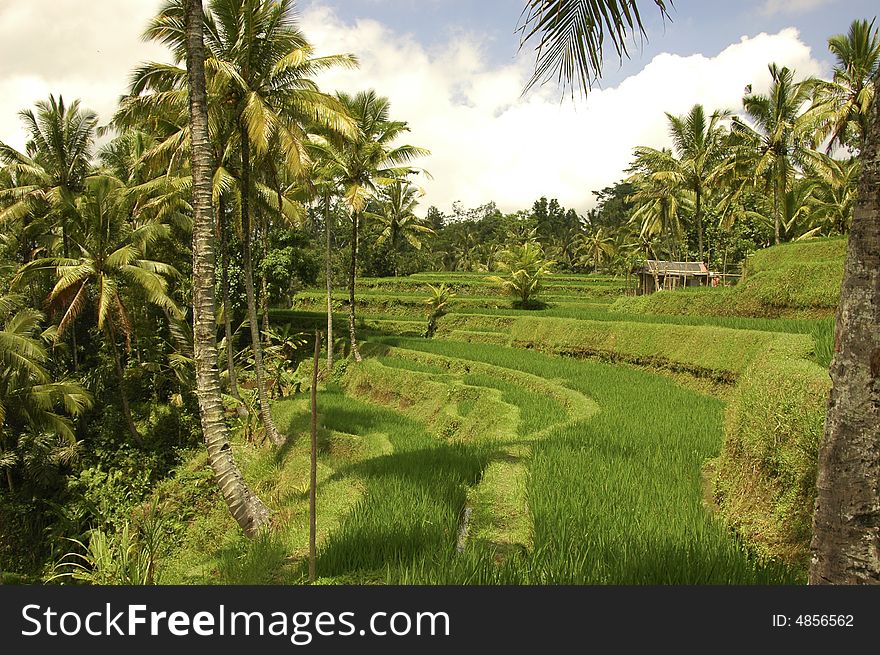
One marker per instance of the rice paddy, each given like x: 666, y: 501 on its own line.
x: 497, y: 453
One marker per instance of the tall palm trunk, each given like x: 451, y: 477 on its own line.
x: 263, y: 396
x: 777, y: 221
x: 846, y: 524
x: 698, y: 215
x: 222, y: 228
x: 264, y: 307
x: 123, y: 395
x: 352, y: 274
x: 329, y: 272
x: 65, y: 248
x: 245, y: 506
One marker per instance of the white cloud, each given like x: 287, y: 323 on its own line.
x: 76, y: 48
x: 489, y: 143
x: 773, y: 7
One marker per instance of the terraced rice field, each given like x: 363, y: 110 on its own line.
x: 462, y: 459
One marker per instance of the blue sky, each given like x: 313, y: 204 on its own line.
x: 695, y: 26
x: 451, y: 70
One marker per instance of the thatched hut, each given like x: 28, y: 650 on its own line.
x: 656, y: 275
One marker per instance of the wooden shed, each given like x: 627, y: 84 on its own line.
x: 657, y: 275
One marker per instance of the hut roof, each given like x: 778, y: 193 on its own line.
x: 660, y: 267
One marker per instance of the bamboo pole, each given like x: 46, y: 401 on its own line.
x: 313, y: 465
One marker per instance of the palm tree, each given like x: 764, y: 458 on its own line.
x: 247, y: 509
x: 833, y: 192
x: 59, y: 150
x: 29, y: 397
x: 361, y: 164
x: 781, y: 138
x: 52, y: 172
x: 701, y: 147
x: 571, y: 35
x: 396, y: 218
x: 525, y: 267
x: 261, y: 67
x: 658, y: 195
x: 844, y: 103
x: 795, y: 212
x: 108, y: 268
x: 438, y: 306
x: 595, y: 247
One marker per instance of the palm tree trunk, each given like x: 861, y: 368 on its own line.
x: 329, y: 272
x: 352, y: 274
x: 263, y: 238
x: 846, y: 523
x: 776, y: 219
x: 126, y: 408
x: 65, y: 248
x: 265, y: 413
x: 245, y: 506
x: 227, y: 306
x: 699, y: 220
x: 264, y: 307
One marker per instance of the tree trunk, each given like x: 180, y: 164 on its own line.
x: 352, y: 273
x: 329, y: 270
x: 263, y: 235
x: 776, y: 218
x: 699, y: 220
x: 265, y: 413
x: 247, y: 509
x: 313, y: 465
x: 126, y: 408
x: 846, y: 524
x: 264, y: 308
x: 227, y: 306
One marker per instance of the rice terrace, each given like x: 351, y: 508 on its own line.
x: 246, y: 339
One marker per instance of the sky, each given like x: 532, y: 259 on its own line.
x: 454, y: 70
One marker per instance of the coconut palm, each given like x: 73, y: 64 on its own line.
x: 779, y: 137
x: 396, y: 219
x: 844, y: 104
x: 247, y: 509
x: 31, y: 401
x: 525, y: 269
x: 571, y: 35
x: 266, y: 84
x: 107, y: 268
x: 52, y: 171
x: 595, y: 248
x: 363, y: 163
x: 833, y: 191
x: 659, y: 194
x: 701, y: 145
x: 438, y: 306
x: 55, y: 165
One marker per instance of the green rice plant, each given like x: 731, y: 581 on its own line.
x: 615, y: 499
